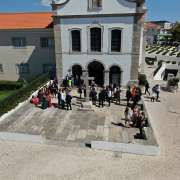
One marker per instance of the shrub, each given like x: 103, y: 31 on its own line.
x: 142, y: 79
x: 10, y: 85
x: 173, y: 82
x: 178, y: 55
x: 21, y: 94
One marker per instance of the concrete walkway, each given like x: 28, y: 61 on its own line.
x: 19, y: 161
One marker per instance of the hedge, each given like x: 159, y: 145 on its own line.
x: 22, y: 94
x: 173, y: 82
x: 10, y: 85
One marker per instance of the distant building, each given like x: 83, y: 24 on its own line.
x: 164, y: 35
x: 151, y: 31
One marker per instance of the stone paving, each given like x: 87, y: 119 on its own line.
x: 102, y: 124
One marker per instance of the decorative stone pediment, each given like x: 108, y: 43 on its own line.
x: 57, y: 3
x: 81, y: 7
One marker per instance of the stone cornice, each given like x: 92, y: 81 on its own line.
x: 100, y: 15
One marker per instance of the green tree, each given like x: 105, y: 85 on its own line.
x: 176, y: 32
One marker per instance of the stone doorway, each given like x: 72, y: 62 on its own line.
x: 96, y: 70
x: 77, y: 73
x: 115, y: 75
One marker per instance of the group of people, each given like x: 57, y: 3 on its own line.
x: 135, y: 117
x: 155, y: 91
x: 45, y: 95
x: 109, y: 93
x: 133, y: 95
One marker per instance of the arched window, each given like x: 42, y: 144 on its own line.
x: 76, y: 40
x: 95, y: 39
x: 95, y: 4
x: 116, y: 40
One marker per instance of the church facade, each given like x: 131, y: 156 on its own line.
x: 101, y: 37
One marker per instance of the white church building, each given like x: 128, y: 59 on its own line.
x: 101, y: 37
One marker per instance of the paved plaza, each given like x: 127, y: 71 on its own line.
x: 77, y: 126
x: 19, y: 161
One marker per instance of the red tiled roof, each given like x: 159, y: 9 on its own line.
x: 150, y: 25
x: 30, y: 20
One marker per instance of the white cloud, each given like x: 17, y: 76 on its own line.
x: 45, y: 2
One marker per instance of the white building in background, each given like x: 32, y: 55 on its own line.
x: 103, y: 37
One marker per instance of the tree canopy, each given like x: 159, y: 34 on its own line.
x: 176, y: 32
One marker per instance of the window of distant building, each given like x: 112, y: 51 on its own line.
x: 115, y: 40
x: 1, y: 68
x: 95, y: 39
x: 19, y: 42
x: 75, y: 40
x: 22, y: 68
x: 47, y: 42
x: 95, y: 4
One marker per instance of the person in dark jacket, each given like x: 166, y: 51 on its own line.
x: 100, y: 97
x: 59, y: 98
x: 80, y: 91
x: 128, y: 95
x: 147, y: 88
x: 68, y: 101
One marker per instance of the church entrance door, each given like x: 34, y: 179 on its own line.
x: 77, y: 73
x: 96, y: 70
x: 115, y: 75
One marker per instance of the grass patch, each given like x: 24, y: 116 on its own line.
x: 4, y: 94
x: 14, y: 98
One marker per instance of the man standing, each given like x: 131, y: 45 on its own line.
x: 59, y: 98
x: 100, y: 97
x: 68, y: 101
x: 63, y: 98
x: 147, y: 88
x: 118, y: 96
x: 158, y: 89
x: 109, y: 96
x: 128, y: 95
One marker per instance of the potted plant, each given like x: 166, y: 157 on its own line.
x: 172, y: 84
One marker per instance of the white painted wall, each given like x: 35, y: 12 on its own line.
x: 32, y: 54
x: 80, y: 7
x: 122, y: 59
x: 111, y: 16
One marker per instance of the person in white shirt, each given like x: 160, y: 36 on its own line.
x: 63, y: 99
x: 109, y: 96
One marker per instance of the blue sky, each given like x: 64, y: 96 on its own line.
x: 157, y: 9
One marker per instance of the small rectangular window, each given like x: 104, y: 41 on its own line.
x: 22, y: 68
x: 1, y: 68
x: 76, y: 40
x: 95, y: 39
x: 116, y: 40
x: 19, y: 42
x: 95, y: 4
x: 47, y: 42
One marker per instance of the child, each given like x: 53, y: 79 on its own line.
x: 153, y: 97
